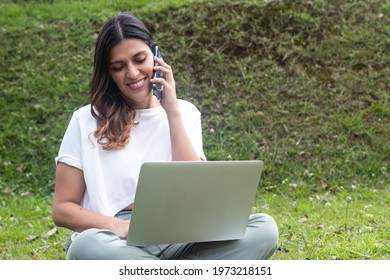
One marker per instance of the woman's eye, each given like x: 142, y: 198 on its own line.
x: 117, y: 69
x: 140, y: 61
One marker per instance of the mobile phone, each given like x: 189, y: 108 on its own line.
x: 157, y: 88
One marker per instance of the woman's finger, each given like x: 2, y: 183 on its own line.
x: 160, y: 61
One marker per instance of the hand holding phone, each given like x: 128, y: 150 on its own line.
x: 157, y: 88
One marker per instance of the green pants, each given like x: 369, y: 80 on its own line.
x: 260, y: 242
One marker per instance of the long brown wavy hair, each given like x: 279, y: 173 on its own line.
x: 115, y: 116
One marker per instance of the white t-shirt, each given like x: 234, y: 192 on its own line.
x: 111, y: 176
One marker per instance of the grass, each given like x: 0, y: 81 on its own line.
x: 301, y: 85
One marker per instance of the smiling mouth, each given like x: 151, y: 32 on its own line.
x: 137, y: 85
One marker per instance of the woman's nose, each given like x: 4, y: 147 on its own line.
x: 132, y: 71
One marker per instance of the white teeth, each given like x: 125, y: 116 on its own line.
x: 136, y: 84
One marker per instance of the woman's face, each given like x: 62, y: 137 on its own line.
x: 131, y: 68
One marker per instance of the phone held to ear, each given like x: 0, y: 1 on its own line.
x: 157, y: 88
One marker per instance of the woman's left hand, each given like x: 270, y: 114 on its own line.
x: 168, y: 97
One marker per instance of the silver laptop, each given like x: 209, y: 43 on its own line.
x: 181, y: 202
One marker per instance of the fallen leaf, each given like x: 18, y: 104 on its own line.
x: 8, y: 190
x: 50, y: 233
x: 303, y: 219
x: 32, y: 237
x: 20, y: 168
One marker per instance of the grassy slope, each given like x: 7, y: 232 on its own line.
x: 304, y: 87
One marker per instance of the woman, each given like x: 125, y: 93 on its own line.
x: 107, y: 141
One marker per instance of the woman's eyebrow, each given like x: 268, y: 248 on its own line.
x: 121, y: 61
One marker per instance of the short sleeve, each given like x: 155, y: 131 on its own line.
x: 70, y: 149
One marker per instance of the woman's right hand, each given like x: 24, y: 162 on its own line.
x: 67, y: 212
x: 120, y: 227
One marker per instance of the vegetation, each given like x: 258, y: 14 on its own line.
x: 301, y: 85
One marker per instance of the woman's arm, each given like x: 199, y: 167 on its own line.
x: 182, y: 148
x: 67, y: 212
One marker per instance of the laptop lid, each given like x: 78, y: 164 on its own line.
x: 180, y: 202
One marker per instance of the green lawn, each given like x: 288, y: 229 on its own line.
x: 302, y: 85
